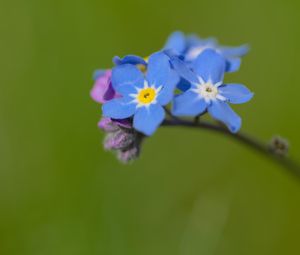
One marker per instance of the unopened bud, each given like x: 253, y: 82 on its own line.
x: 113, y: 125
x: 128, y: 155
x: 279, y: 146
x: 108, y: 125
x: 118, y: 140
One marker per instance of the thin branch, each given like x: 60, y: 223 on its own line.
x: 245, y: 139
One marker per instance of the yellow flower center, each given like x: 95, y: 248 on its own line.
x: 146, y: 96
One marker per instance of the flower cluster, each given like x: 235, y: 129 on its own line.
x: 187, y: 73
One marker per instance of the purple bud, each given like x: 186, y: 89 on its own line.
x: 113, y: 125
x: 108, y: 125
x: 119, y: 140
x: 102, y: 90
x: 126, y: 156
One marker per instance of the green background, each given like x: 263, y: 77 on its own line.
x: 191, y: 192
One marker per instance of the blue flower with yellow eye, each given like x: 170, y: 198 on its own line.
x: 191, y: 46
x: 143, y: 95
x: 207, y: 91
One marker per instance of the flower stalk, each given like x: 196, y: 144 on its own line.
x: 245, y: 139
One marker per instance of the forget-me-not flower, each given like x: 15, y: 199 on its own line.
x: 142, y: 95
x: 191, y: 46
x: 207, y: 91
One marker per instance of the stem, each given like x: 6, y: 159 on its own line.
x: 245, y: 139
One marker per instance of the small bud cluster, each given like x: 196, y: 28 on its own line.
x: 121, y: 138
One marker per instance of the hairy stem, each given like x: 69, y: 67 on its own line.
x: 245, y: 139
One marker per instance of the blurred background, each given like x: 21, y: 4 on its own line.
x: 191, y: 192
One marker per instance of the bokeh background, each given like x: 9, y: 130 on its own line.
x: 191, y: 192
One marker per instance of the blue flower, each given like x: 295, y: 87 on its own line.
x: 189, y: 47
x: 207, y: 91
x: 143, y: 95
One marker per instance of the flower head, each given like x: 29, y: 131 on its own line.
x: 136, y: 92
x: 142, y: 95
x: 207, y: 91
x: 191, y: 46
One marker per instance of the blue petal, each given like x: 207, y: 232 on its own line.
x: 235, y: 51
x: 183, y: 85
x: 167, y: 92
x: 236, y: 93
x: 233, y: 64
x: 148, y: 119
x: 98, y: 73
x: 193, y: 40
x: 223, y: 112
x: 129, y: 59
x: 158, y: 70
x: 210, y: 66
x: 171, y: 54
x: 119, y: 108
x: 183, y: 70
x: 126, y: 90
x: 126, y: 75
x: 176, y: 43
x: 188, y: 104
x: 196, y: 41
